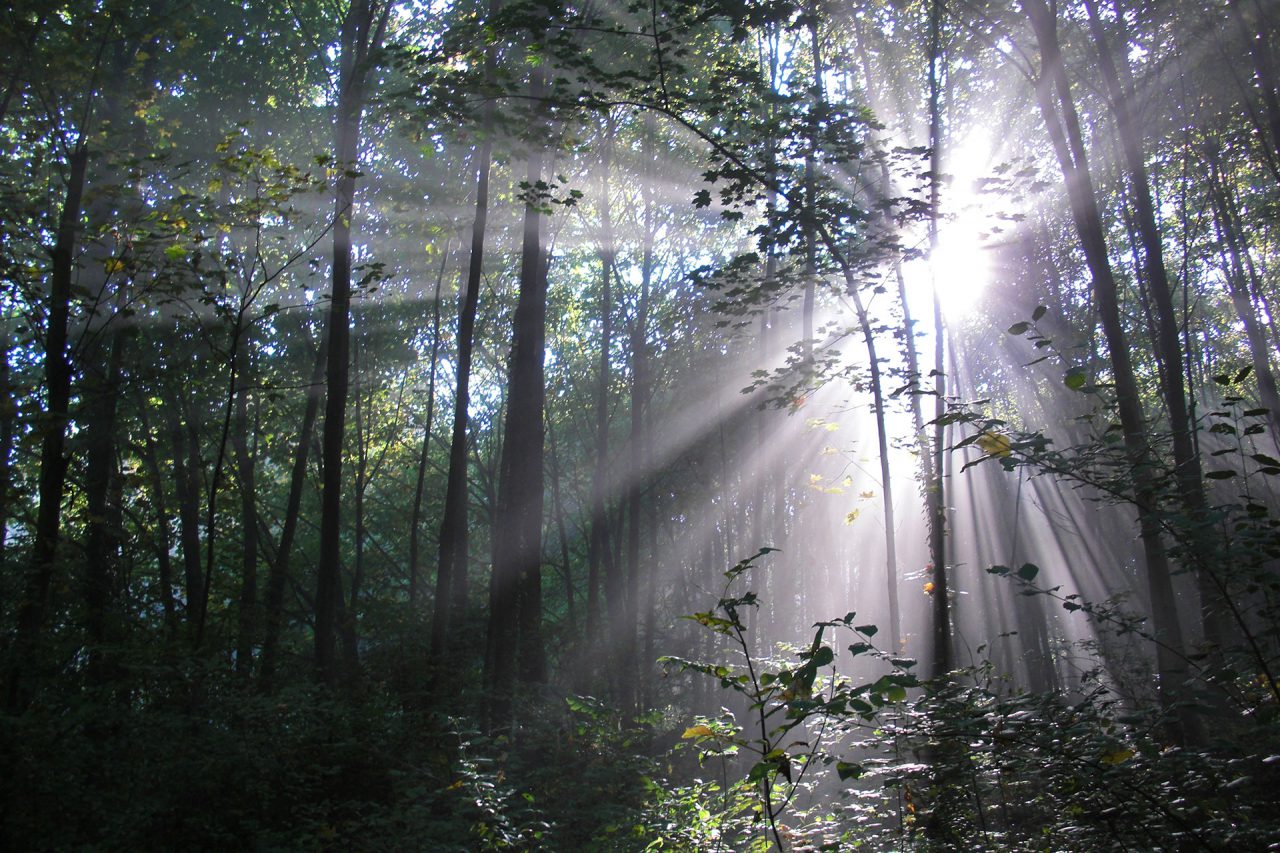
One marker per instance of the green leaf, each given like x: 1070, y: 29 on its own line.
x: 1019, y: 328
x: 895, y: 693
x: 1038, y: 313
x: 847, y: 770
x: 823, y: 656
x: 1074, y: 379
x: 1028, y: 571
x: 1219, y: 475
x: 866, y: 630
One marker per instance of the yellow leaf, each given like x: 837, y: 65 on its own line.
x: 851, y: 517
x: 866, y: 495
x: 1117, y: 756
x: 929, y: 588
x: 113, y: 265
x: 697, y: 731
x: 995, y: 444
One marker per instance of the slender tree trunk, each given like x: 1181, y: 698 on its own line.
x: 1234, y: 248
x: 361, y: 35
x: 102, y: 537
x: 1168, y: 343
x: 186, y: 471
x: 1062, y: 124
x: 598, y: 544
x: 1257, y: 28
x: 279, y: 572
x: 350, y: 623
x: 641, y: 381
x: 451, y: 567
x: 557, y: 508
x: 424, y: 456
x: 247, y: 475
x: 164, y: 524
x: 8, y: 417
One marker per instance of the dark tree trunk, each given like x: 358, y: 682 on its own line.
x: 451, y: 567
x: 914, y: 390
x: 1237, y: 272
x: 278, y: 577
x: 8, y: 417
x: 102, y: 537
x: 164, y: 523
x: 515, y: 595
x: 598, y: 544
x: 361, y: 35
x: 52, y: 429
x: 247, y: 475
x: 424, y: 455
x: 1168, y: 343
x: 935, y: 489
x: 186, y: 480
x: 1062, y: 123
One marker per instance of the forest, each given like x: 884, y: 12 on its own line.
x: 639, y: 425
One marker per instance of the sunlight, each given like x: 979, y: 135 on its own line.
x: 961, y: 263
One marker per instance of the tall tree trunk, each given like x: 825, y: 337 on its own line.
x: 1062, y: 123
x: 451, y: 566
x: 186, y: 480
x: 361, y: 35
x: 246, y: 474
x: 598, y: 543
x: 52, y: 429
x: 557, y: 509
x: 935, y: 490
x: 278, y: 576
x: 1168, y: 343
x: 915, y: 390
x: 8, y: 417
x: 637, y: 475
x: 1234, y: 248
x: 164, y: 524
x: 424, y: 455
x: 515, y: 593
x: 102, y: 537
x: 351, y: 613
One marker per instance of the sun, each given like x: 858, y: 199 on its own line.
x: 959, y: 266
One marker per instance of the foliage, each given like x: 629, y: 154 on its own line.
x: 965, y: 762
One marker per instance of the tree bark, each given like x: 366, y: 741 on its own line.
x: 451, y: 567
x: 515, y: 594
x: 52, y: 429
x: 361, y: 35
x: 278, y: 576
x: 1062, y: 123
x: 424, y: 456
x: 246, y: 474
